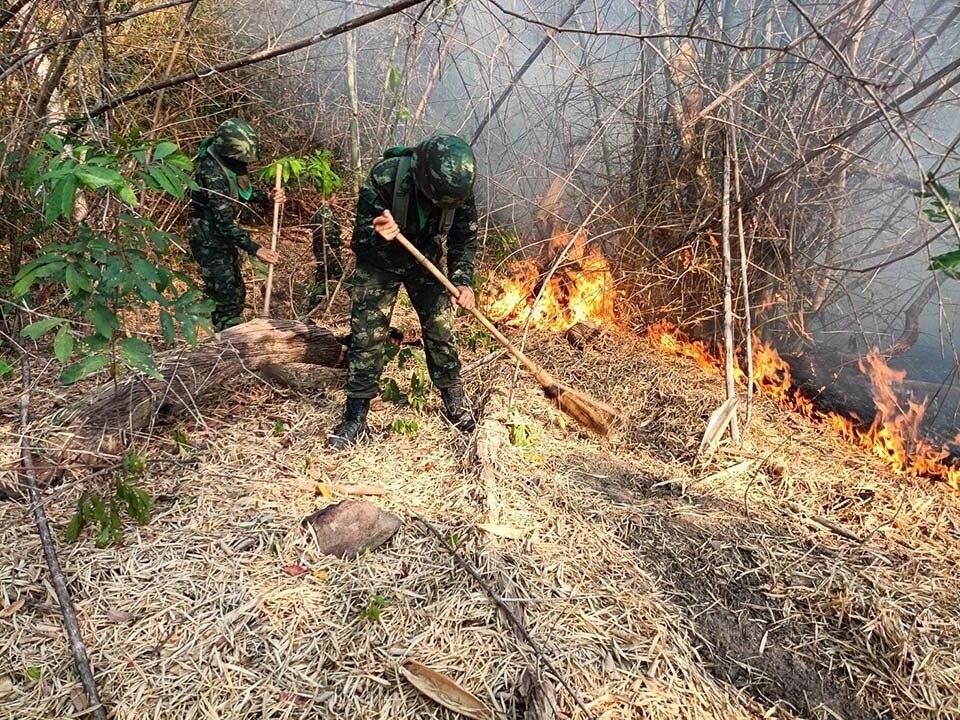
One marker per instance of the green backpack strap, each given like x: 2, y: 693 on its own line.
x: 238, y: 190
x: 446, y: 220
x: 401, y: 192
x: 401, y: 198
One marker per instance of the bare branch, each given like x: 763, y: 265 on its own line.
x: 258, y: 57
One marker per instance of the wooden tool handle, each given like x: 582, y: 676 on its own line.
x: 277, y: 185
x: 542, y: 376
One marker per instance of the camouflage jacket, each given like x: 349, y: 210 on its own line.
x: 422, y: 228
x: 216, y: 206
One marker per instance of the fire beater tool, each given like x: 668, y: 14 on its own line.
x: 591, y: 414
x: 278, y: 183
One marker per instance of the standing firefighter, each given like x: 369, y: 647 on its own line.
x: 215, y: 238
x: 426, y: 192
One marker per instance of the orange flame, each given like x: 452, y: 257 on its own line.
x: 894, y: 435
x: 581, y: 291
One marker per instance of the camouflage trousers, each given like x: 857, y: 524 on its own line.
x: 221, y: 273
x: 374, y: 294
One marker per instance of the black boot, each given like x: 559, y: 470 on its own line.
x: 353, y: 427
x: 455, y: 409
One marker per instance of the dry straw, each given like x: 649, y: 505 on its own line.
x: 657, y: 592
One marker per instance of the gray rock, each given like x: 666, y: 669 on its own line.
x: 352, y: 527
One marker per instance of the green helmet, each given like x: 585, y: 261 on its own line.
x: 444, y: 169
x: 234, y: 139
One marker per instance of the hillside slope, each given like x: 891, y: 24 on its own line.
x: 659, y: 589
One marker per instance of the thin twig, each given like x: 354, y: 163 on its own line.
x: 70, y: 623
x: 508, y: 611
x: 730, y: 382
x: 485, y: 360
x: 8, y: 68
x: 531, y: 58
x: 826, y: 522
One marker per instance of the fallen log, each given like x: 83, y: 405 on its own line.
x: 95, y: 432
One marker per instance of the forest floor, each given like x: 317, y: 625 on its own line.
x: 660, y: 587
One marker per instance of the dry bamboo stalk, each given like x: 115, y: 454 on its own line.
x: 174, y: 52
x: 434, y: 74
x: 251, y: 59
x: 744, y: 269
x: 277, y: 184
x: 731, y: 386
x: 535, y: 53
x: 537, y: 690
x: 825, y: 522
x: 733, y: 89
x: 70, y: 623
x: 354, y: 125
x: 508, y: 612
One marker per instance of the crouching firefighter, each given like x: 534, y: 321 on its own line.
x: 425, y: 192
x: 223, y: 186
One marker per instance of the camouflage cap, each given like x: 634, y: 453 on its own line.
x: 235, y: 139
x: 444, y: 169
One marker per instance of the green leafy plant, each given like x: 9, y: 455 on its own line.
x: 180, y: 438
x: 390, y: 391
x: 418, y: 381
x: 279, y: 428
x: 402, y: 426
x: 372, y: 611
x: 105, y: 513
x: 419, y: 387
x: 941, y: 210
x: 394, y: 79
x: 948, y: 262
x: 521, y: 435
x: 501, y: 244
x: 316, y: 169
x: 106, y: 267
x: 474, y: 338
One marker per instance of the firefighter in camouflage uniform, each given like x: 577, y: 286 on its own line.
x: 215, y: 238
x: 425, y: 192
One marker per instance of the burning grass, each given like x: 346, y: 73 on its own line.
x: 893, y: 434
x: 581, y: 290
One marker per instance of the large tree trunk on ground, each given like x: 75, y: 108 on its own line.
x: 95, y: 432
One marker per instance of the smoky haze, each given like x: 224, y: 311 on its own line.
x: 599, y: 107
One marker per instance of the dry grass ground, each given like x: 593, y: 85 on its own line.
x: 660, y: 588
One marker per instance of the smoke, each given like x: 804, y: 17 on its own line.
x: 599, y: 107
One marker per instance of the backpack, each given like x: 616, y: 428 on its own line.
x: 401, y: 192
